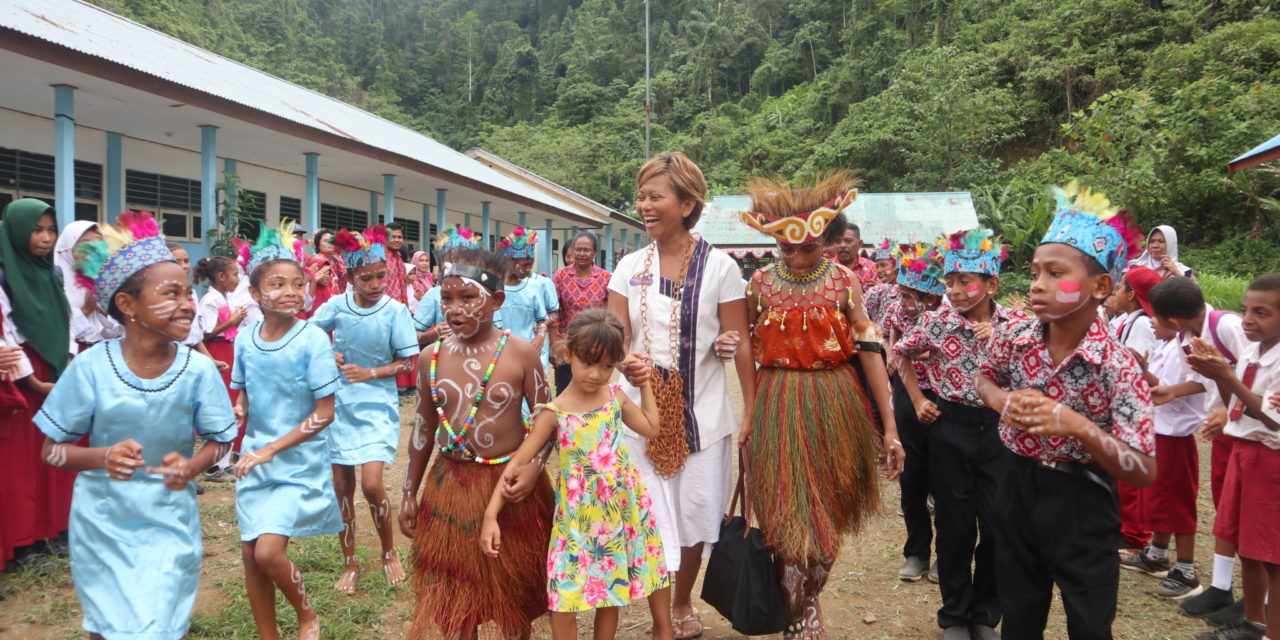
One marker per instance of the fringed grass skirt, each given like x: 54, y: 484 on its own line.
x: 458, y: 587
x: 811, y: 460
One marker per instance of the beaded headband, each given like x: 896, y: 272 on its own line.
x: 362, y: 249
x: 127, y: 247
x: 1087, y: 220
x: 273, y: 244
x: 802, y: 227
x: 920, y: 268
x: 884, y: 251
x: 972, y: 251
x: 520, y: 244
x: 482, y: 277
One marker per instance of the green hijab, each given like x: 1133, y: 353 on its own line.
x: 40, y: 308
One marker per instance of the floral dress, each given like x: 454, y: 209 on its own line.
x: 605, y: 548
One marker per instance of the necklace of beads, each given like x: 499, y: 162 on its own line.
x: 457, y: 440
x: 784, y: 274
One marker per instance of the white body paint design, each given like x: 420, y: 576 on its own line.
x: 57, y: 456
x: 295, y: 577
x: 380, y: 511
x: 421, y: 439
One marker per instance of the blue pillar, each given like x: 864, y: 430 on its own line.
x: 114, y: 169
x: 232, y: 181
x: 484, y: 222
x: 606, y: 246
x: 549, y: 263
x: 388, y: 198
x: 523, y: 218
x: 311, y: 199
x: 426, y: 226
x: 497, y: 231
x: 208, y: 180
x: 622, y: 239
x: 373, y: 208
x: 440, y: 214
x: 466, y: 221
x: 64, y: 153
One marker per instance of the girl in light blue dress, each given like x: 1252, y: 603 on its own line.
x: 287, y: 373
x: 141, y: 400
x: 374, y: 341
x: 428, y: 319
x: 524, y: 310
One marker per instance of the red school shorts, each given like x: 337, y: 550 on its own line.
x: 1249, y: 508
x: 1169, y: 503
x: 1218, y: 455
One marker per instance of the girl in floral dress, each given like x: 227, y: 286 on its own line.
x: 605, y: 548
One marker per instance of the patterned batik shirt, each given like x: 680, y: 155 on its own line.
x: 397, y: 278
x: 954, y: 350
x: 1101, y: 380
x: 865, y: 269
x: 898, y: 324
x: 876, y: 300
x: 578, y: 294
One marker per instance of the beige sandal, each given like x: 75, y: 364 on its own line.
x: 679, y: 624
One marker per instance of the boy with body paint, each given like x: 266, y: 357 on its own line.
x: 1076, y: 412
x: 966, y: 459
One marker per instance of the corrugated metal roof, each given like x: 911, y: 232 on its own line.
x: 95, y: 31
x: 903, y: 217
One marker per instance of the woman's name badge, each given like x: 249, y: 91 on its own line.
x: 642, y: 279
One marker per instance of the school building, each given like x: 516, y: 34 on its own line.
x: 100, y: 114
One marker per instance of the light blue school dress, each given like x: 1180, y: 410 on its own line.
x: 522, y: 309
x: 551, y: 301
x: 293, y: 494
x: 135, y: 545
x: 428, y: 313
x: 366, y: 426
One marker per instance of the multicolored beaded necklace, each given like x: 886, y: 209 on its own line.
x: 456, y: 440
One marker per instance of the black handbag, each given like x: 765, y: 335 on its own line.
x: 741, y: 581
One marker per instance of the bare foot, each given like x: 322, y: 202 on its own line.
x: 391, y: 567
x: 347, y: 583
x: 309, y: 628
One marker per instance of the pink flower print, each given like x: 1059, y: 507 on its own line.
x: 653, y: 550
x: 637, y: 588
x: 602, y: 531
x: 604, y: 490
x: 630, y: 531
x: 653, y: 524
x: 573, y: 489
x: 608, y: 564
x: 594, y: 591
x: 561, y: 543
x: 662, y: 569
x: 603, y: 458
x: 645, y: 501
x: 566, y: 440
x: 629, y: 480
x: 584, y: 563
x: 551, y: 563
x: 553, y: 600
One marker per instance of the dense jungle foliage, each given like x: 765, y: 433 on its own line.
x: 1145, y: 99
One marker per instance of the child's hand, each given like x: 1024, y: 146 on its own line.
x: 176, y: 471
x: 893, y: 459
x: 1205, y: 360
x: 408, y: 514
x: 635, y: 367
x: 744, y: 430
x: 241, y: 411
x: 10, y: 357
x: 251, y: 459
x: 1017, y: 302
x: 356, y: 373
x: 222, y: 366
x: 1141, y: 358
x: 122, y: 459
x: 1161, y: 395
x: 1033, y: 412
x: 726, y: 345
x: 1213, y: 424
x: 983, y: 331
x: 517, y: 484
x: 238, y: 315
x: 927, y: 412
x: 490, y: 537
x: 922, y: 356
x: 1275, y: 401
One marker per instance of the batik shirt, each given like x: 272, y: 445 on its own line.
x: 1101, y: 380
x: 897, y: 324
x: 578, y: 294
x: 865, y: 269
x: 954, y: 350
x: 397, y: 278
x: 876, y: 299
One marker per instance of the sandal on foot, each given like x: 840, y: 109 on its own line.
x: 679, y: 624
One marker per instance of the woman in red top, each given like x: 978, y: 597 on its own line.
x: 329, y: 270
x: 580, y: 286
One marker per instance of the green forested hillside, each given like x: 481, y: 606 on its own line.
x: 1147, y: 99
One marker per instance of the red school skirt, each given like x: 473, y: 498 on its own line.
x: 225, y: 351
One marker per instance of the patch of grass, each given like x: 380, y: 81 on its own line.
x: 1223, y: 292
x: 319, y: 559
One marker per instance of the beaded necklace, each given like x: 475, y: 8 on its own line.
x: 456, y: 440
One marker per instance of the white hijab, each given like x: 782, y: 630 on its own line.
x: 64, y: 259
x: 1171, y: 250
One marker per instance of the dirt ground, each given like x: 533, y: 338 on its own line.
x: 864, y: 598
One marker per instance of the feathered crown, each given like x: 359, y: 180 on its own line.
x: 458, y: 237
x: 130, y: 245
x: 1087, y: 220
x: 802, y: 227
x: 520, y: 244
x: 884, y: 251
x: 919, y: 268
x: 274, y: 243
x: 972, y: 251
x: 362, y: 249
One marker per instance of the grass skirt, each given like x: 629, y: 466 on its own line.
x: 812, y: 460
x: 458, y: 587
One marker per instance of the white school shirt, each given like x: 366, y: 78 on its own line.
x: 1183, y: 416
x: 1138, y: 333
x: 12, y: 338
x: 1231, y: 334
x: 721, y: 282
x: 1265, y: 383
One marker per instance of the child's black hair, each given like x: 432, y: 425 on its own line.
x: 208, y: 268
x: 490, y: 261
x: 260, y: 271
x: 1176, y: 297
x: 835, y: 230
x: 596, y: 335
x: 1267, y: 282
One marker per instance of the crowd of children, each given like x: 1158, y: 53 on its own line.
x: 1039, y: 445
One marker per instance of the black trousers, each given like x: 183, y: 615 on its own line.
x: 966, y: 460
x: 1056, y: 528
x: 563, y: 373
x: 914, y: 481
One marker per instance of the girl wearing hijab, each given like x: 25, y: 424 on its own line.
x: 37, y: 497
x: 420, y: 280
x: 1161, y: 255
x: 89, y: 324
